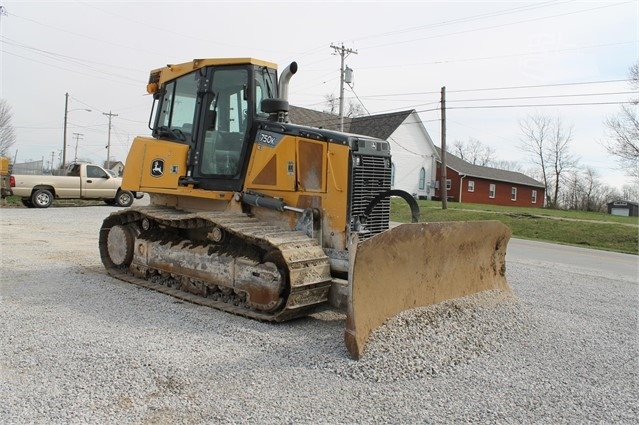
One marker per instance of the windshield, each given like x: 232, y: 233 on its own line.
x: 177, y: 110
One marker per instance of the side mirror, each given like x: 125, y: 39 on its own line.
x: 273, y: 106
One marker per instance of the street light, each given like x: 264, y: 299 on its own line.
x: 66, y: 112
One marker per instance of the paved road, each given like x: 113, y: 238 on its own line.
x: 574, y: 259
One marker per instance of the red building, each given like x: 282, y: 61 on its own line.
x: 477, y: 184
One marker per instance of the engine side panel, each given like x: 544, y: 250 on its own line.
x: 305, y: 173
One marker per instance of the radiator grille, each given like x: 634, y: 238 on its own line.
x: 371, y: 176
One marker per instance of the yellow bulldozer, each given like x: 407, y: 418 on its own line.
x: 254, y: 215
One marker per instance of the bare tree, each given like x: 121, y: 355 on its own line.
x: 630, y: 192
x: 590, y: 190
x: 583, y: 190
x: 624, y: 131
x: 7, y: 134
x: 536, y: 132
x: 547, y: 140
x: 508, y: 165
x: 589, y: 196
x: 332, y: 103
x: 474, y: 152
x: 355, y: 109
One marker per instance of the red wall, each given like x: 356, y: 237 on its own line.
x: 481, y: 193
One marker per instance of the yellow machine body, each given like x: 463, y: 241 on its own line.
x: 258, y: 216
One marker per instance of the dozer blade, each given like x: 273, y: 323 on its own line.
x: 415, y: 265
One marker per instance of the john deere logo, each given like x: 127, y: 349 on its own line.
x: 157, y: 168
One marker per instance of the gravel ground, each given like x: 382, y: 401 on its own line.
x: 80, y: 347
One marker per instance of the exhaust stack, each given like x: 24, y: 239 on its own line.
x: 285, y: 77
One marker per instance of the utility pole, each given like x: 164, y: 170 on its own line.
x: 78, y: 136
x: 108, y: 146
x: 64, y: 146
x: 343, y: 52
x: 66, y: 114
x: 443, y: 191
x: 52, y: 158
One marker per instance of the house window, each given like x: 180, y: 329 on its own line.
x: 534, y: 197
x: 513, y: 194
x: 422, y: 179
x: 491, y: 191
x: 471, y: 185
x: 448, y: 184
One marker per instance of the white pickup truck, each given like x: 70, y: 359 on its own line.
x: 82, y: 181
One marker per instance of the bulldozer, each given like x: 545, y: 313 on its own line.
x: 257, y: 216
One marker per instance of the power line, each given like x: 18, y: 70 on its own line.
x: 69, y: 69
x: 61, y: 57
x: 542, y: 97
x: 465, y: 19
x: 541, y: 85
x: 84, y: 36
x: 539, y: 105
x: 510, y: 55
x: 500, y: 25
x: 499, y: 88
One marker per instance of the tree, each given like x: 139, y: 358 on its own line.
x: 474, y: 152
x: 332, y: 103
x: 547, y: 140
x: 503, y: 164
x: 7, y: 134
x: 584, y: 191
x: 355, y: 109
x: 630, y: 192
x: 624, y: 131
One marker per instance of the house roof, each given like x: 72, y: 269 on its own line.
x: 317, y: 119
x: 113, y: 164
x: 621, y: 202
x: 471, y: 170
x: 381, y: 126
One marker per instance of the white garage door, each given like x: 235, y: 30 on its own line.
x: 620, y: 211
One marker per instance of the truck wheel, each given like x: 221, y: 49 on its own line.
x: 124, y: 198
x: 42, y: 198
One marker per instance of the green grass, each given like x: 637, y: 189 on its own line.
x: 579, y: 228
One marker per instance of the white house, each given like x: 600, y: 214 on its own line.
x: 116, y: 166
x: 414, y: 156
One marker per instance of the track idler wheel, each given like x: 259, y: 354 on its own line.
x: 120, y: 245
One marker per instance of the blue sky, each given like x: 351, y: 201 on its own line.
x: 523, y: 53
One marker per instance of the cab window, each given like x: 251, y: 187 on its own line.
x: 177, y: 110
x: 95, y: 172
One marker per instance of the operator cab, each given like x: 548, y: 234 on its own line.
x: 213, y: 110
